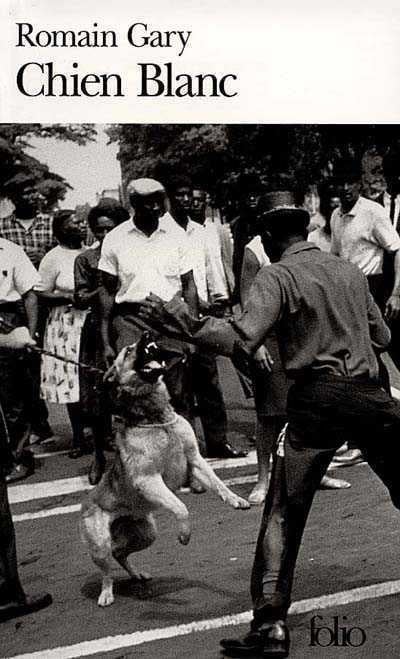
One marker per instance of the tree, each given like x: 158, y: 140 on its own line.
x: 21, y: 173
x: 217, y: 156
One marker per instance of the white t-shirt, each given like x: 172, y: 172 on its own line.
x: 255, y: 245
x: 146, y: 264
x: 56, y: 270
x: 363, y: 235
x: 17, y: 273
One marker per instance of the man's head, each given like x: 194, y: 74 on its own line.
x: 147, y: 198
x: 104, y: 217
x: 281, y: 223
x: 180, y: 194
x: 391, y: 171
x: 28, y: 203
x: 347, y: 178
x: 198, y: 210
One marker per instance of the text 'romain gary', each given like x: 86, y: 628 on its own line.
x: 37, y: 78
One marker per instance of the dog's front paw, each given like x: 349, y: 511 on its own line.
x: 238, y: 502
x: 106, y: 598
x: 184, y: 533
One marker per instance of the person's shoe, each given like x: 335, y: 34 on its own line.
x: 30, y: 604
x: 225, y: 450
x: 348, y: 459
x: 96, y: 470
x: 329, y: 483
x: 270, y: 640
x: 19, y: 472
x: 248, y: 646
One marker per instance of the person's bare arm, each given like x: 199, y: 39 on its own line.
x: 31, y: 308
x: 392, y: 310
x: 107, y: 294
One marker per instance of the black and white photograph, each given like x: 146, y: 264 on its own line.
x: 199, y: 390
x: 199, y: 329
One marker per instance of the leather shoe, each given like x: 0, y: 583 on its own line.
x: 225, y: 450
x: 30, y: 604
x: 270, y: 640
x: 19, y: 472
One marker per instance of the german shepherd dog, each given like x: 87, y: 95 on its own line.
x: 156, y: 454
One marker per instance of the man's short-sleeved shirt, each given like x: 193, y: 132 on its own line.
x: 36, y: 240
x: 362, y: 235
x: 145, y: 264
x: 17, y: 273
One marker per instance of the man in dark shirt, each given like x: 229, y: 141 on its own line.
x: 327, y: 326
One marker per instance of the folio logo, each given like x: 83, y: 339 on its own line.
x: 325, y: 636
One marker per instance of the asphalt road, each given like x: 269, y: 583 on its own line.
x: 350, y: 553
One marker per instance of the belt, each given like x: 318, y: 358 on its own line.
x: 324, y: 375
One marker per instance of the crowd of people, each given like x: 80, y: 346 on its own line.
x: 81, y: 304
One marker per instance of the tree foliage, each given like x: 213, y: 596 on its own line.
x: 219, y: 156
x: 21, y: 173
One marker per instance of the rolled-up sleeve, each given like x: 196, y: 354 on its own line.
x: 108, y: 261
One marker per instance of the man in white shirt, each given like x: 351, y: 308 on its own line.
x: 204, y: 371
x: 138, y: 257
x: 18, y: 308
x: 362, y: 233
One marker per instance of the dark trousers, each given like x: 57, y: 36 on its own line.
x: 16, y: 381
x: 322, y: 414
x: 210, y: 401
x: 10, y: 586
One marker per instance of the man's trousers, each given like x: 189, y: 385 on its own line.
x: 10, y: 586
x: 323, y: 412
x: 210, y: 400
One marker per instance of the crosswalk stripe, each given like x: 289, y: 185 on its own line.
x: 73, y: 508
x: 117, y: 642
x: 59, y: 487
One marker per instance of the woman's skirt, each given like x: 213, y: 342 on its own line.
x: 60, y: 380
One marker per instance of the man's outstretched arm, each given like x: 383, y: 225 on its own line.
x: 249, y: 329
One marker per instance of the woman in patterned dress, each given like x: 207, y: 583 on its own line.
x: 59, y: 380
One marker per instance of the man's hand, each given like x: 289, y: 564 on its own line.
x: 263, y: 359
x: 18, y: 339
x: 392, y: 309
x: 152, y: 310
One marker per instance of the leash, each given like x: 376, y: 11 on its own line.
x: 8, y: 327
x: 41, y: 351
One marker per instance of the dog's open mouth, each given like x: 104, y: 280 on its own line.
x: 152, y: 370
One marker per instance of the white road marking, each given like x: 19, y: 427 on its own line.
x: 47, y: 489
x: 113, y: 643
x: 50, y: 512
x: 73, y: 508
x: 52, y: 454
